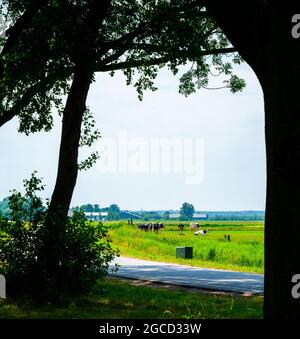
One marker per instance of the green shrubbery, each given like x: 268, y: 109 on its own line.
x: 85, y: 255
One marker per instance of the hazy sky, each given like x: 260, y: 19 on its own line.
x: 218, y: 162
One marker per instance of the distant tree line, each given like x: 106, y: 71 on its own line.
x: 150, y: 215
x: 114, y: 213
x: 90, y: 208
x: 239, y: 215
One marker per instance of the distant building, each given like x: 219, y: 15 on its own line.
x: 200, y: 216
x: 129, y: 215
x: 96, y: 216
x: 101, y: 216
x: 174, y: 215
x: 196, y: 216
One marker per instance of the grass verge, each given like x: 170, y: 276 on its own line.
x: 120, y: 299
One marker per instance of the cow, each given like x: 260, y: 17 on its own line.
x: 155, y: 227
x: 143, y: 227
x: 194, y: 226
x: 202, y: 232
x: 181, y: 226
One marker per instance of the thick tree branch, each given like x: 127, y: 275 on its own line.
x: 158, y: 61
x: 133, y: 64
x: 113, y: 57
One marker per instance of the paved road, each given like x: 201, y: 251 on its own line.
x: 212, y: 279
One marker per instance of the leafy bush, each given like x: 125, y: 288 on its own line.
x: 21, y: 237
x: 85, y: 255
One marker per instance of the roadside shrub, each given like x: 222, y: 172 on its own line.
x: 21, y: 235
x: 85, y: 255
x: 212, y: 253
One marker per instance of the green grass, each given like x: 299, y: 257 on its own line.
x: 243, y: 253
x: 118, y: 299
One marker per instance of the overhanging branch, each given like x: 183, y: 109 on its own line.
x: 159, y: 61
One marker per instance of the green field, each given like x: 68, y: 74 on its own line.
x: 245, y: 251
x: 118, y: 299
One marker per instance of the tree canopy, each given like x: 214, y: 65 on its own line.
x: 39, y: 53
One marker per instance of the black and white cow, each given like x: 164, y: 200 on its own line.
x: 181, y: 227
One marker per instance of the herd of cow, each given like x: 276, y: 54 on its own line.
x: 155, y: 227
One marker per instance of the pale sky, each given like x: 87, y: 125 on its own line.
x: 229, y: 129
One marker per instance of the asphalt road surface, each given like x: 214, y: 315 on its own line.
x: 183, y: 275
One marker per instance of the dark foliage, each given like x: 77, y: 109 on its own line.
x: 85, y: 255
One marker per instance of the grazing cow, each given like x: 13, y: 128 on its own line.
x: 143, y: 227
x: 202, y: 232
x: 181, y: 226
x: 194, y: 227
x: 155, y: 227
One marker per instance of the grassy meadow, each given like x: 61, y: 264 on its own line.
x: 243, y: 253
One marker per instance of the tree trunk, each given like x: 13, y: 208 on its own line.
x: 66, y: 177
x: 274, y: 56
x: 282, y: 223
x: 70, y: 137
x: 279, y: 81
x: 85, y: 59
